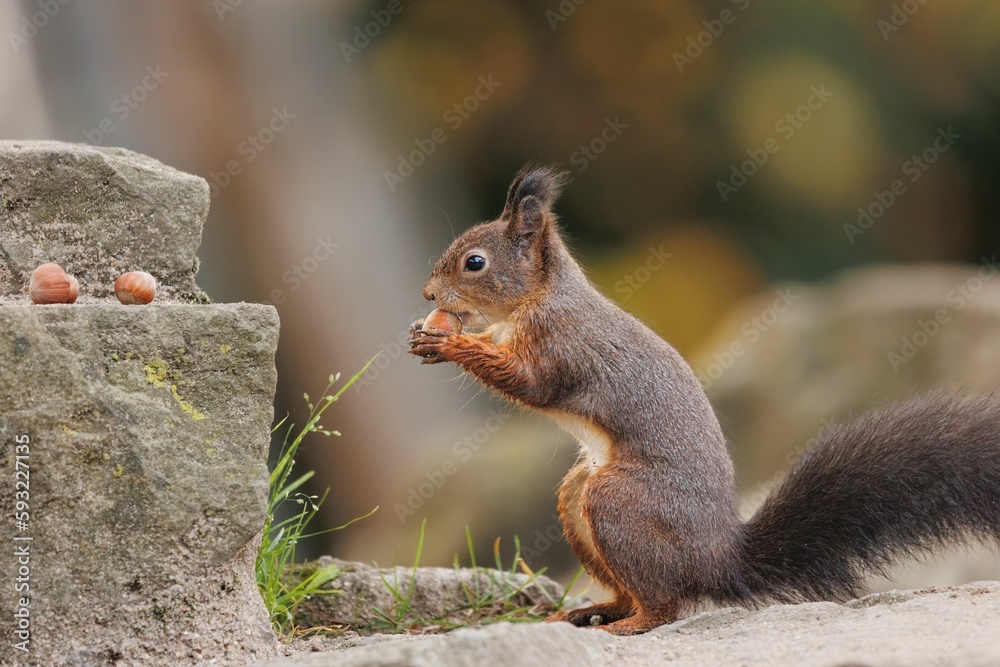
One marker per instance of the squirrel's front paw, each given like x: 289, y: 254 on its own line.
x: 431, y: 344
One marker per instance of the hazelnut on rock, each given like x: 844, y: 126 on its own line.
x: 135, y: 288
x: 51, y: 284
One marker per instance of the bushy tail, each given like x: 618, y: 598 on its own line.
x: 894, y: 482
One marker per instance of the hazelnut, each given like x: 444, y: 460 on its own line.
x: 444, y: 320
x: 135, y: 288
x: 50, y: 284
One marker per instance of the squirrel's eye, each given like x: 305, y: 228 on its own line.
x: 475, y: 263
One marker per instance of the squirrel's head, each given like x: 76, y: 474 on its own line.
x: 495, y: 267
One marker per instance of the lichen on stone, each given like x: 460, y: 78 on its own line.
x: 184, y: 405
x: 157, y: 372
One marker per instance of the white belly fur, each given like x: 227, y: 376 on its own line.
x: 595, y: 445
x: 501, y: 332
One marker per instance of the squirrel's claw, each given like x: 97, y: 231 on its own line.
x: 428, y: 344
x: 437, y: 333
x: 418, y: 333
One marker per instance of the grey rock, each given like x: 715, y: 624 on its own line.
x: 841, y: 347
x: 98, y: 212
x: 950, y: 627
x: 534, y: 645
x: 149, y: 428
x: 441, y: 595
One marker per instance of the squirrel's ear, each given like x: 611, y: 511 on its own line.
x: 542, y: 183
x: 529, y: 202
x: 527, y: 221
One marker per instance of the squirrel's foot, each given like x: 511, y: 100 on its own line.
x: 429, y: 344
x: 598, y: 615
x: 642, y: 621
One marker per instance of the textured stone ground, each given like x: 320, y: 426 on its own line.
x: 956, y: 627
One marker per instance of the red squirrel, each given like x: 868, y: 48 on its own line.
x: 650, y: 509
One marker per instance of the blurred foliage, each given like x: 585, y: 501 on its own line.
x: 695, y: 103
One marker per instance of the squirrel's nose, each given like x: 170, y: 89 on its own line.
x: 428, y: 294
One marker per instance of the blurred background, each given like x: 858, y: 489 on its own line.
x: 801, y: 197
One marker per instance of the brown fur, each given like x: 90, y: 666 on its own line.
x: 651, y: 510
x: 569, y: 349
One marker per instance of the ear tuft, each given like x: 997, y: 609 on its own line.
x: 529, y: 201
x: 542, y: 183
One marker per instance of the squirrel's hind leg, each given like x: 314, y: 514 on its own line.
x: 645, y: 552
x: 577, y: 531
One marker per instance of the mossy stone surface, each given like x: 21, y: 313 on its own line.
x: 148, y: 479
x: 98, y: 212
